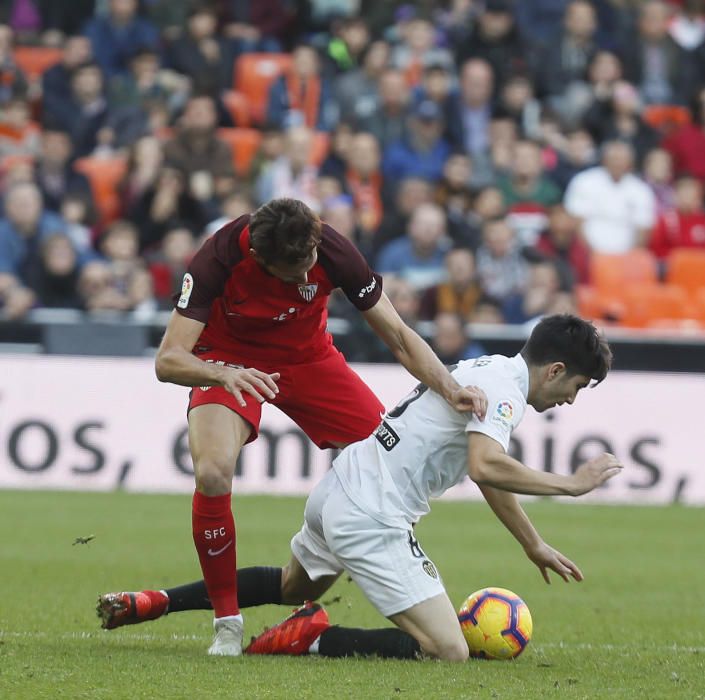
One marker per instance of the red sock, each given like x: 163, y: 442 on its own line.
x: 214, y: 537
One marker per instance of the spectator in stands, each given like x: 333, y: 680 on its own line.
x: 604, y: 71
x: 495, y: 38
x: 654, y: 62
x: 356, y: 90
x: 620, y: 119
x: 616, y: 208
x: 54, y: 172
x: 56, y: 81
x: 418, y: 47
x: 487, y: 205
x: 363, y: 180
x: 201, y: 54
x: 25, y: 225
x: 63, y: 19
x: 54, y: 277
x: 116, y: 36
x: 404, y: 298
x: 527, y: 192
x: 419, y: 256
x: 561, y: 241
x: 577, y: 154
x: 336, y: 161
x: 459, y: 293
x: 454, y: 194
x: 687, y: 26
x: 168, y: 264
x: 518, y: 101
x: 198, y: 153
x: 411, y: 192
x: 543, y: 286
x: 144, y: 162
x: 687, y: 145
x: 450, y: 339
x: 271, y: 147
x: 348, y: 40
x: 130, y: 286
x: 437, y: 84
x: 468, y: 128
x: 261, y: 25
x: 562, y: 66
x: 488, y: 311
x: 501, y: 267
x: 658, y: 175
x: 19, y: 135
x: 12, y: 81
x: 388, y: 121
x: 423, y: 151
x: 683, y: 226
x: 302, y: 96
x: 15, y: 298
x: 85, y: 116
x: 166, y: 204
x: 80, y: 217
x: 293, y: 174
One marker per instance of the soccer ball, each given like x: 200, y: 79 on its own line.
x: 496, y: 624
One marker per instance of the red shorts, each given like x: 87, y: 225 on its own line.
x: 325, y: 398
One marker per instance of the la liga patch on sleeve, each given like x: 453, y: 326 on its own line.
x: 186, y: 289
x: 503, y: 414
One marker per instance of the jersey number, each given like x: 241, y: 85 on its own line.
x: 418, y: 391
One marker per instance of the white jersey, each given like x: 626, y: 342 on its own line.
x: 419, y: 450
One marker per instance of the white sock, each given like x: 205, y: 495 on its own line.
x: 313, y: 649
x: 166, y: 611
x: 237, y: 617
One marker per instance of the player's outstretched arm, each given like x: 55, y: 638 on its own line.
x: 176, y: 364
x: 507, y: 508
x: 490, y: 465
x: 417, y: 356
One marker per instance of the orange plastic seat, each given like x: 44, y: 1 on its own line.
x: 34, y: 60
x: 238, y: 107
x: 104, y: 175
x: 645, y: 303
x: 666, y: 118
x: 612, y: 273
x: 254, y: 74
x: 699, y: 301
x: 244, y: 144
x: 685, y: 267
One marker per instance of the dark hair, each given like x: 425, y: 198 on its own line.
x: 284, y: 231
x: 571, y: 340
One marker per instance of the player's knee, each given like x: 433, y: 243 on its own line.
x: 213, y: 478
x: 448, y: 650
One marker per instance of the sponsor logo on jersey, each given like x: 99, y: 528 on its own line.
x: 186, y: 289
x: 430, y: 569
x: 369, y: 288
x: 308, y: 291
x: 386, y: 436
x: 504, y: 413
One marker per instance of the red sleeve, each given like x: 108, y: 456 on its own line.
x: 347, y: 269
x: 658, y: 242
x: 209, y: 270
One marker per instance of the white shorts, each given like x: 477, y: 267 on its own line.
x: 386, y: 563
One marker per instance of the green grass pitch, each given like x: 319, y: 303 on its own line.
x: 635, y: 628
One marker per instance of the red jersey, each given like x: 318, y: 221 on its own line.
x: 676, y: 229
x: 258, y: 317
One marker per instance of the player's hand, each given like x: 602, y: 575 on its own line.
x: 592, y: 474
x: 469, y: 399
x: 545, y: 557
x: 260, y: 385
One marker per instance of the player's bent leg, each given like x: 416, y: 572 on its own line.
x: 434, y: 624
x: 298, y: 587
x: 216, y: 436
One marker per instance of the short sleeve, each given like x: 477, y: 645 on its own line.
x: 505, y: 409
x: 347, y: 269
x: 209, y: 270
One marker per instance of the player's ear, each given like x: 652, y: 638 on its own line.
x: 556, y: 369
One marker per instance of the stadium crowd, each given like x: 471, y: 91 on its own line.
x: 480, y: 153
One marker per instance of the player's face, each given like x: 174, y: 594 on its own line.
x: 559, y: 387
x: 295, y: 274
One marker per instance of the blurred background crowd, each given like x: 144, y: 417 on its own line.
x: 494, y: 160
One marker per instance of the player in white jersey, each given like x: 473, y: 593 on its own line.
x: 360, y: 517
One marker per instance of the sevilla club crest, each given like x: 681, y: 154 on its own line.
x: 308, y: 291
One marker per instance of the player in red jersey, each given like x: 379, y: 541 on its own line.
x: 250, y: 326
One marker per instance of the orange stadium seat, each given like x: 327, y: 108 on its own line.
x: 244, y: 144
x: 645, y: 303
x: 238, y: 107
x: 104, y: 175
x: 610, y: 273
x: 666, y: 118
x: 34, y: 60
x: 685, y: 267
x: 254, y: 74
x: 700, y: 303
